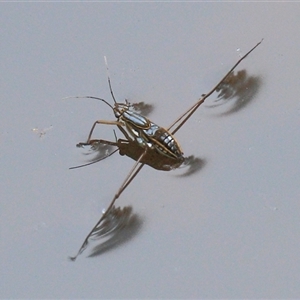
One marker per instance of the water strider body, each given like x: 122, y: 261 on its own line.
x: 146, y: 142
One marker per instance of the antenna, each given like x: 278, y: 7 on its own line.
x: 89, y: 97
x: 109, y: 83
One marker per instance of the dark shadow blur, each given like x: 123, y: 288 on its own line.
x: 119, y: 227
x: 194, y: 164
x: 142, y: 108
x: 101, y: 150
x: 241, y: 87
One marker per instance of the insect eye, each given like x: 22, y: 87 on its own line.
x: 118, y: 113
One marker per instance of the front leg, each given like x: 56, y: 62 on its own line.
x: 101, y: 122
x: 93, y: 142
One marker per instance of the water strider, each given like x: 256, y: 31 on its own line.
x: 145, y: 142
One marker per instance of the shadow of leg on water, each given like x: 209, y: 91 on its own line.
x: 192, y: 165
x: 118, y: 228
x: 143, y: 108
x: 237, y: 90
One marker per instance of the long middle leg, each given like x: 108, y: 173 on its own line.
x: 133, y: 172
x: 192, y: 109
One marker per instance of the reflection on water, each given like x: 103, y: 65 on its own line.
x: 118, y: 227
x: 239, y: 87
x: 152, y: 158
x: 102, y: 151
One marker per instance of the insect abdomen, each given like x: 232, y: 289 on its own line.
x: 166, y: 143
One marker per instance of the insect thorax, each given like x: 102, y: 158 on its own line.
x: 147, y: 134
